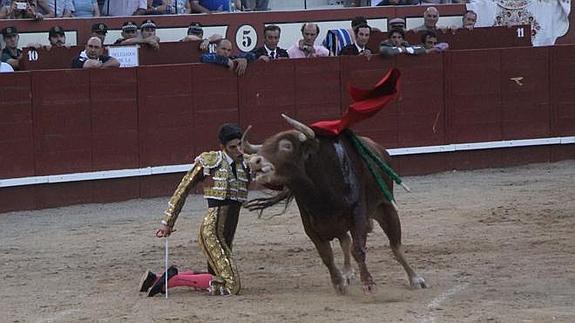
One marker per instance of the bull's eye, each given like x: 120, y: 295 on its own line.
x: 285, y: 145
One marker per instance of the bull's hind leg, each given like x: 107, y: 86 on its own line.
x: 345, y: 243
x: 389, y: 222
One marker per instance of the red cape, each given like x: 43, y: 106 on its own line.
x: 365, y: 104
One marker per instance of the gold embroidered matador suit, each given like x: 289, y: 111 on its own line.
x: 225, y: 188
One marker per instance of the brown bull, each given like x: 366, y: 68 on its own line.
x: 335, y: 193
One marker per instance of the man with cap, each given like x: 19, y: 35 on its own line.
x: 95, y: 57
x: 147, y: 34
x: 56, y: 37
x: 225, y: 177
x: 11, y: 53
x: 99, y: 30
x: 196, y: 32
x: 396, y: 23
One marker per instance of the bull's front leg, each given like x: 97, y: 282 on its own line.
x: 326, y: 253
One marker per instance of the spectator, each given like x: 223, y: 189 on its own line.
x: 129, y: 31
x: 99, y: 30
x: 11, y: 53
x: 430, y: 18
x: 56, y: 38
x: 11, y: 10
x: 362, y: 33
x: 306, y: 47
x: 469, y: 19
x: 255, y: 5
x: 207, y: 6
x: 270, y: 50
x: 159, y: 7
x: 196, y: 32
x: 396, y: 45
x: 147, y: 34
x: 95, y: 57
x: 64, y: 8
x: 396, y: 23
x: 86, y: 8
x: 223, y: 56
x: 125, y: 7
x: 429, y: 42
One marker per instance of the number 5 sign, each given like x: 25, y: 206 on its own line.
x: 246, y: 38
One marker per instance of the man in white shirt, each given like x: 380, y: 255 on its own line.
x: 125, y: 7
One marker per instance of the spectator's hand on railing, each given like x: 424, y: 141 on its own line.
x: 241, y: 66
x: 264, y: 58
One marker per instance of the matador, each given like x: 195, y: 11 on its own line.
x: 225, y: 179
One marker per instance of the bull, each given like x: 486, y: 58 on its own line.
x: 335, y: 193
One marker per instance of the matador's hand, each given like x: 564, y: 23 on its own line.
x: 164, y: 231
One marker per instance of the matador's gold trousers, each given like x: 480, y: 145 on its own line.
x: 216, y: 236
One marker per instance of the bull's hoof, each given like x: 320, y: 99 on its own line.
x: 348, y: 276
x: 341, y: 289
x: 369, y: 288
x: 418, y: 282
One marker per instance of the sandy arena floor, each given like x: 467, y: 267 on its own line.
x: 494, y: 245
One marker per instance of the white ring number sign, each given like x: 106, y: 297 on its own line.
x: 246, y: 38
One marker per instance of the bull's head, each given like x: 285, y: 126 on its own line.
x: 281, y: 156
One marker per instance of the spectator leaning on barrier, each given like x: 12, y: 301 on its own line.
x: 207, y: 6
x: 396, y: 23
x: 430, y: 18
x: 430, y: 43
x: 95, y: 57
x: 396, y: 45
x: 270, y: 50
x: 86, y: 8
x: 147, y: 34
x: 125, y: 7
x: 22, y: 9
x: 99, y: 30
x: 469, y: 19
x: 11, y: 53
x: 196, y: 32
x: 223, y: 56
x: 362, y: 33
x: 306, y: 47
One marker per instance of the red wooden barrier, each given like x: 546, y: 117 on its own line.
x: 562, y: 90
x: 85, y: 121
x: 16, y: 127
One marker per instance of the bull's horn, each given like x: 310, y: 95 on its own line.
x: 248, y: 148
x: 307, y: 131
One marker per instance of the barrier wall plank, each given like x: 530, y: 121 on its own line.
x: 524, y: 83
x: 166, y: 114
x: 266, y: 91
x: 472, y: 96
x: 362, y: 73
x: 18, y: 198
x: 421, y: 107
x: 62, y: 121
x: 216, y: 102
x: 114, y: 108
x: 562, y: 90
x: 317, y: 89
x: 61, y: 194
x: 16, y: 127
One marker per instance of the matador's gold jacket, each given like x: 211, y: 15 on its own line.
x: 215, y: 170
